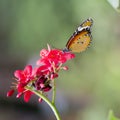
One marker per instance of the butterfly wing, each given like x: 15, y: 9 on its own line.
x: 79, y: 42
x: 81, y: 38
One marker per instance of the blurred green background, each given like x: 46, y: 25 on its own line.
x: 91, y: 86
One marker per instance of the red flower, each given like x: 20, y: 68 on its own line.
x: 55, y: 56
x: 53, y: 59
x: 40, y: 78
x: 23, y: 78
x: 24, y: 75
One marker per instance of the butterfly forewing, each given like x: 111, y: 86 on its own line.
x: 87, y: 22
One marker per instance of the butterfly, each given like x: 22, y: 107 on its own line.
x: 81, y: 38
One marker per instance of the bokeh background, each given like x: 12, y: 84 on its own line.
x: 91, y: 86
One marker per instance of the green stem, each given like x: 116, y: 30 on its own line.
x: 54, y: 92
x: 52, y: 106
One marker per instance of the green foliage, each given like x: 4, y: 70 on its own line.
x: 111, y: 116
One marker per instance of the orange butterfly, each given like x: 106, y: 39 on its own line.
x: 81, y: 38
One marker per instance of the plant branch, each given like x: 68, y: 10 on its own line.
x: 52, y: 106
x: 54, y: 92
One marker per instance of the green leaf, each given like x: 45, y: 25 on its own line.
x: 111, y: 116
x: 115, y: 4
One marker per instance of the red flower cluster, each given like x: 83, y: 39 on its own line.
x: 40, y: 77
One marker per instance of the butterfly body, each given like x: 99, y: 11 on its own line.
x: 81, y: 38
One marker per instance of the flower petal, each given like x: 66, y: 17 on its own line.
x: 28, y: 70
x: 10, y: 93
x: 27, y: 96
x: 18, y: 74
